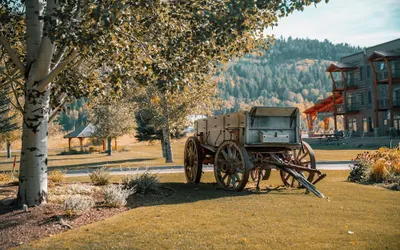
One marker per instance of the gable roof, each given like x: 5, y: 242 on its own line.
x: 335, y: 67
x: 379, y: 55
x: 82, y: 132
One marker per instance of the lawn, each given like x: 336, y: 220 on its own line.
x: 143, y: 155
x: 205, y: 217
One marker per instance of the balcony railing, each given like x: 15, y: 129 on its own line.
x: 382, y: 75
x: 383, y: 103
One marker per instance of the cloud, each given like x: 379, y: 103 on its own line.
x: 363, y: 23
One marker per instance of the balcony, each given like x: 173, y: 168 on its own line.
x: 339, y: 84
x: 351, y: 83
x: 383, y: 103
x: 382, y: 75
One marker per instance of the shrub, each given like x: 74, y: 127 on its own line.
x: 8, y: 177
x: 77, y: 204
x: 379, y: 166
x: 116, y: 195
x: 56, y: 176
x: 100, y: 177
x: 359, y: 173
x: 143, y: 183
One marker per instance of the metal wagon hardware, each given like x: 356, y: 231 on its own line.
x: 251, y: 144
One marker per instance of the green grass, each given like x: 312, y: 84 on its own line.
x: 205, y: 217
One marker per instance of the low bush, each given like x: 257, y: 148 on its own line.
x: 93, y: 149
x: 8, y: 177
x: 143, y: 183
x: 77, y: 204
x: 56, y: 176
x: 381, y: 166
x: 100, y: 177
x: 74, y: 152
x: 116, y: 195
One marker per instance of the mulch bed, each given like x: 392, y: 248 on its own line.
x: 18, y: 227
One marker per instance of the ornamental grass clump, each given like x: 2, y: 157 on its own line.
x: 143, y: 183
x: 77, y: 204
x: 100, y: 177
x: 56, y: 176
x: 117, y: 195
x: 381, y: 166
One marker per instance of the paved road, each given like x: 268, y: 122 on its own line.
x: 179, y: 169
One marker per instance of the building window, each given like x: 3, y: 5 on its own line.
x: 361, y: 73
x: 353, y: 124
x: 369, y: 97
x: 370, y: 124
x: 365, y: 125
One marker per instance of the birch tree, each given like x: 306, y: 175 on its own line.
x: 43, y: 38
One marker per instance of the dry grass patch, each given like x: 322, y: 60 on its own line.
x: 206, y: 217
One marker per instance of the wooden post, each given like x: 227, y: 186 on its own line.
x: 69, y: 144
x: 375, y: 95
x: 346, y: 124
x: 81, y: 143
x: 334, y: 101
x: 326, y: 123
x: 104, y: 145
x: 390, y: 92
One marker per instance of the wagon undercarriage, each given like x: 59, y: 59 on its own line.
x: 241, y: 154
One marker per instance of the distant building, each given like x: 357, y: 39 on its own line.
x: 365, y: 91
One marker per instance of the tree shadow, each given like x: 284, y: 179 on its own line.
x: 100, y: 163
x: 181, y: 193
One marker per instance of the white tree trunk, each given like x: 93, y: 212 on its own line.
x: 33, y: 166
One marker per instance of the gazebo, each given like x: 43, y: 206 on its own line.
x: 81, y: 133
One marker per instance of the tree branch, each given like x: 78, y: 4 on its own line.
x: 18, y: 104
x: 53, y: 74
x: 12, y: 54
x: 54, y: 112
x: 136, y: 40
x: 60, y: 55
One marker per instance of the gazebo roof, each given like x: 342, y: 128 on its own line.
x: 325, y: 105
x: 335, y: 67
x: 380, y: 55
x: 83, y: 132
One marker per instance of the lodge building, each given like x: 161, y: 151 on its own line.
x: 365, y: 92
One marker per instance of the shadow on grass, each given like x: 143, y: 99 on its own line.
x: 188, y: 193
x: 101, y: 163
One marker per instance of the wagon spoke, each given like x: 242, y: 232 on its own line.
x: 292, y: 182
x: 237, y: 177
x: 225, y: 154
x: 224, y: 177
x: 301, y: 158
x: 229, y: 180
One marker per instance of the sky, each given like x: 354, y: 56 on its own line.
x: 357, y: 22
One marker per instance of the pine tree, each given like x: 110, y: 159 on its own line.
x: 7, y: 123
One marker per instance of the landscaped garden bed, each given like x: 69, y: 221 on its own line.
x: 71, y: 205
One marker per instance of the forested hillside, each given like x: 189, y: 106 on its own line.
x: 290, y: 73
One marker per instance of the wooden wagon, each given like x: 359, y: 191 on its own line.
x: 251, y: 144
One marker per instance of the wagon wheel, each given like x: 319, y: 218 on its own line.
x: 231, y: 166
x: 193, y: 157
x: 303, y: 156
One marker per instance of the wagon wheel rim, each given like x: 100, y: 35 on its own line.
x: 231, y: 166
x: 304, y: 156
x: 192, y: 160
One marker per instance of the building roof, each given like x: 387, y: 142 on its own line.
x: 380, y: 55
x: 335, y: 67
x: 325, y: 105
x: 83, y: 132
